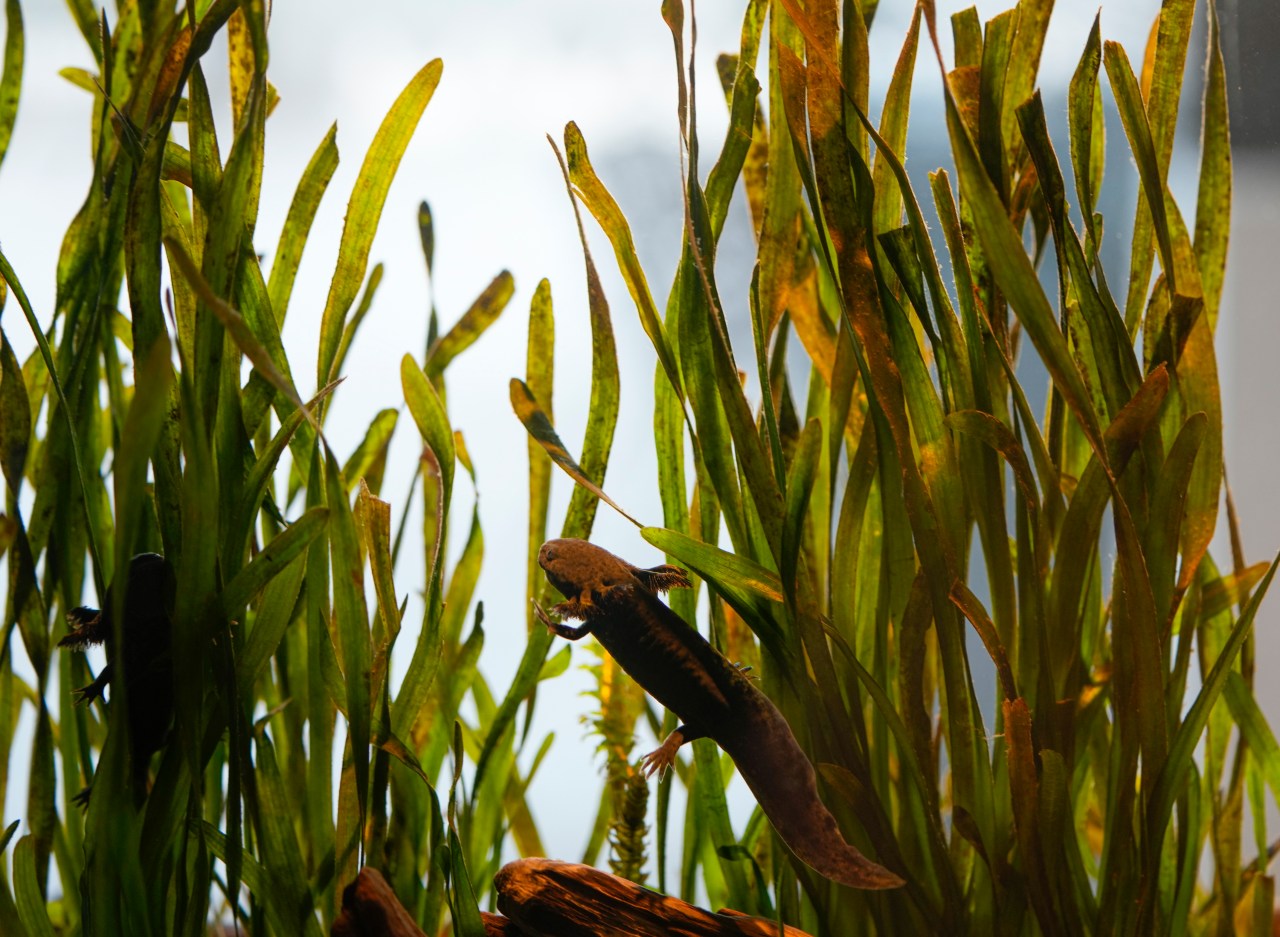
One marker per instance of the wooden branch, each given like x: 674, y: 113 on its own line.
x: 546, y: 898
x: 495, y: 925
x: 370, y: 909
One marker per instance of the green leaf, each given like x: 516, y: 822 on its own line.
x: 373, y: 525
x: 353, y: 324
x: 1220, y: 594
x: 9, y: 919
x: 709, y: 791
x: 273, y: 615
x: 1078, y: 535
x: 141, y: 431
x: 232, y: 215
x: 15, y: 417
x: 1254, y: 728
x: 588, y: 187
x: 539, y: 426
x: 972, y: 608
x: 704, y: 343
x: 352, y: 621
x: 1213, y: 203
x: 1197, y: 385
x: 1101, y: 335
x: 364, y: 208
x: 724, y: 175
x: 11, y: 278
x: 257, y: 880
x: 466, y: 910
x: 1170, y: 780
x: 1167, y: 511
x: 751, y: 589
x: 427, y: 235
x: 369, y: 461
x: 482, y: 314
x: 42, y: 795
x: 236, y: 327
x: 420, y: 679
x: 429, y: 414
x: 1024, y: 62
x: 279, y: 851
x: 297, y: 224
x: 539, y: 381
x: 602, y: 412
x: 893, y: 130
x: 966, y: 30
x: 462, y: 582
x: 11, y: 79
x: 808, y: 452
x: 31, y: 906
x: 259, y: 478
x: 999, y: 437
x: 524, y: 682
x: 556, y: 665
x: 7, y: 836
x: 1160, y: 94
x: 1085, y: 121
x: 1014, y: 274
x: 1135, y: 119
x: 273, y: 559
x: 995, y: 69
x: 255, y: 305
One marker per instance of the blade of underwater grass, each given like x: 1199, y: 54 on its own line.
x: 540, y: 382
x: 1171, y: 777
x: 364, y: 209
x: 297, y: 223
x: 473, y: 323
x: 11, y: 78
x: 352, y: 625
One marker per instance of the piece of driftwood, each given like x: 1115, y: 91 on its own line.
x: 546, y: 898
x: 495, y: 925
x: 370, y: 909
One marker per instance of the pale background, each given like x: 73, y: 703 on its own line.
x: 513, y: 73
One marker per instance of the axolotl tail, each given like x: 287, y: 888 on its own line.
x: 783, y: 781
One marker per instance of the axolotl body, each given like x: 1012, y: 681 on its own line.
x: 618, y: 604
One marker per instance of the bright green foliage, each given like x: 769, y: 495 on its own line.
x: 853, y: 498
x: 275, y: 632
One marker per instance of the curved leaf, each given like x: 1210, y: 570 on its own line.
x: 364, y: 208
x: 539, y: 426
x: 482, y: 314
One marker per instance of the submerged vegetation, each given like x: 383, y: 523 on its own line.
x: 833, y: 512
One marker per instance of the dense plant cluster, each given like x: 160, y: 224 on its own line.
x: 831, y: 512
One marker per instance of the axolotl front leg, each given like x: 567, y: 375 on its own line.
x: 664, y: 756
x: 559, y: 627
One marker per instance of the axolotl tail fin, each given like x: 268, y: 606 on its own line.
x: 787, y: 790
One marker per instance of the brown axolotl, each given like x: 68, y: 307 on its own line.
x: 618, y: 603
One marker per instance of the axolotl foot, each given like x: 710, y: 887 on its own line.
x: 663, y: 757
x: 560, y: 628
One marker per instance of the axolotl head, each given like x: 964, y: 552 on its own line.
x: 578, y: 568
x: 584, y: 571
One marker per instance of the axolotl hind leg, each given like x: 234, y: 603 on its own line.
x: 664, y: 756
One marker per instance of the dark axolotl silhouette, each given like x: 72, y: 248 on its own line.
x: 146, y: 658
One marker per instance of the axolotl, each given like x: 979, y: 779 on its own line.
x: 617, y: 602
